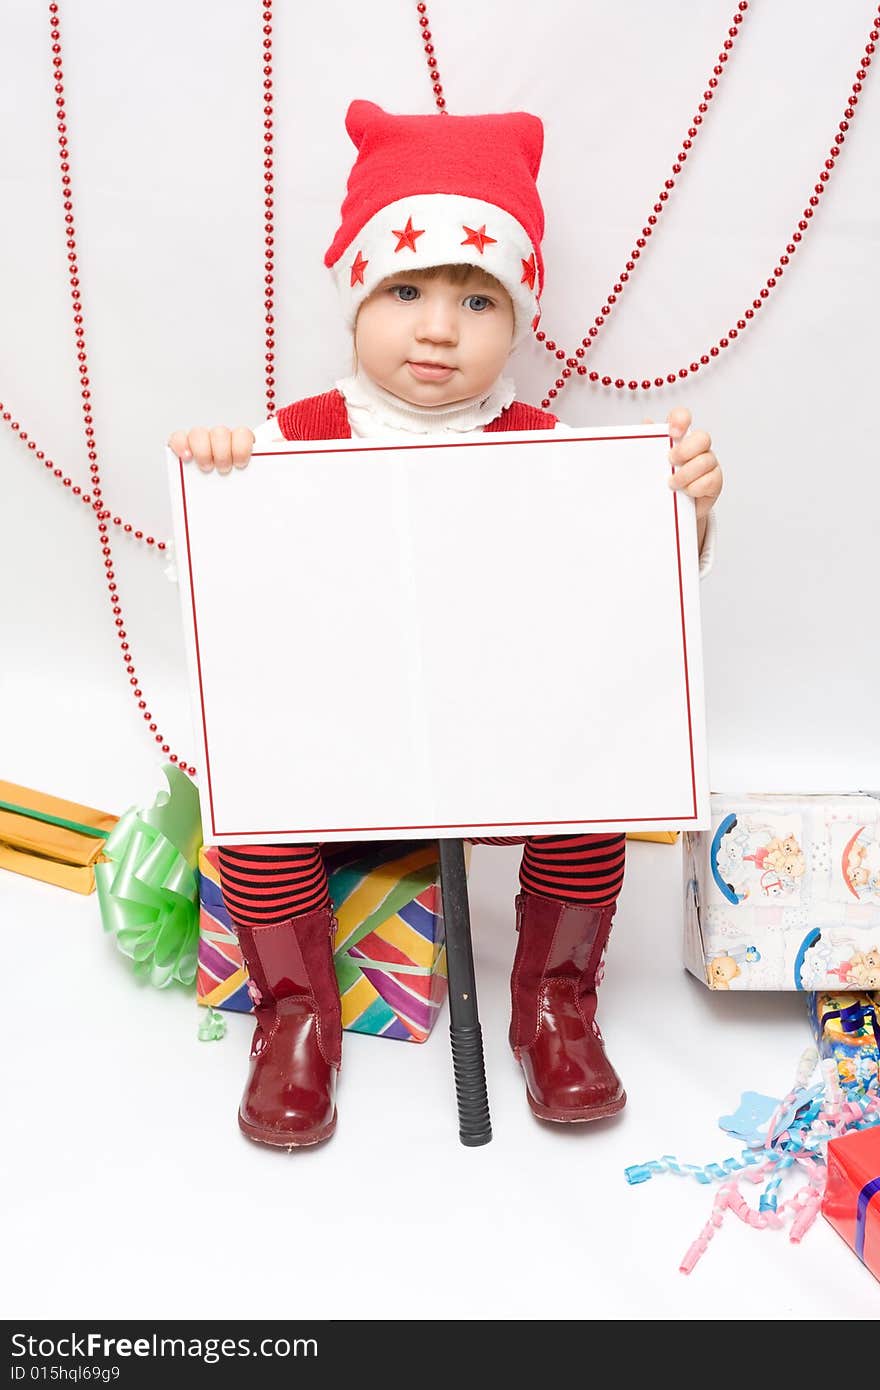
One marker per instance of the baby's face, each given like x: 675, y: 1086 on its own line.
x: 409, y: 320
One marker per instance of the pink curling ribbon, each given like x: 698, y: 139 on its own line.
x: 798, y: 1150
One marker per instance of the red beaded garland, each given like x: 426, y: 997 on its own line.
x: 588, y: 341
x: 95, y: 498
x: 88, y: 498
x: 77, y: 491
x: 647, y: 230
x: 431, y: 58
x: 611, y: 300
x: 269, y: 205
x: 772, y: 281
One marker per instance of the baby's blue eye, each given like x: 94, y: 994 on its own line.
x: 406, y: 294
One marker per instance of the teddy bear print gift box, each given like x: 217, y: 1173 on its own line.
x: 783, y: 892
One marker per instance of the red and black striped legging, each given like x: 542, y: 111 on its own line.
x: 267, y: 884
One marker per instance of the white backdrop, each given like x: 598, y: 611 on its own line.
x: 165, y: 127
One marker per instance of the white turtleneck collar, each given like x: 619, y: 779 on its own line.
x: 372, y: 410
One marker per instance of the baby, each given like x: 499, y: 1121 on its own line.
x: 438, y: 264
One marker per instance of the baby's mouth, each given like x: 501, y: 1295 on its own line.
x: 430, y: 371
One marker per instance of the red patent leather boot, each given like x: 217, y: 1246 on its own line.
x: 290, y: 1097
x: 553, y: 1031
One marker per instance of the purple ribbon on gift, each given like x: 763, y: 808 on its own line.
x: 853, y: 1017
x: 869, y: 1190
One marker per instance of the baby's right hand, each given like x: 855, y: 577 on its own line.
x: 218, y: 448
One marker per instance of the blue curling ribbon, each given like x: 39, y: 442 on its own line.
x: 705, y: 1174
x: 641, y: 1172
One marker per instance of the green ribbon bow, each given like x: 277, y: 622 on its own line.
x: 148, y: 888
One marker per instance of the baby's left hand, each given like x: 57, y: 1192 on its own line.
x: 697, y: 470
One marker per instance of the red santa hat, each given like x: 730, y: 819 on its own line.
x: 442, y: 190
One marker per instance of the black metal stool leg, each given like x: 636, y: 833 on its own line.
x: 474, y: 1125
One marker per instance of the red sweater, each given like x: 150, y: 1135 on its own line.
x: 325, y: 417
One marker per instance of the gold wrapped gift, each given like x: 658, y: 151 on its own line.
x: 50, y: 839
x: 662, y: 837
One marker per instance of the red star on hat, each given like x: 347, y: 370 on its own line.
x: 407, y: 236
x: 358, y: 267
x: 478, y: 239
x: 529, y: 271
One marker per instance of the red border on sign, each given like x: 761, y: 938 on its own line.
x: 344, y: 446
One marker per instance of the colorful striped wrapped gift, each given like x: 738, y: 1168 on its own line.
x: 389, y: 952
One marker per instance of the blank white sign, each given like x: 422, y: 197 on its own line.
x: 497, y: 635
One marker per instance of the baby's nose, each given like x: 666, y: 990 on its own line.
x: 439, y: 324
